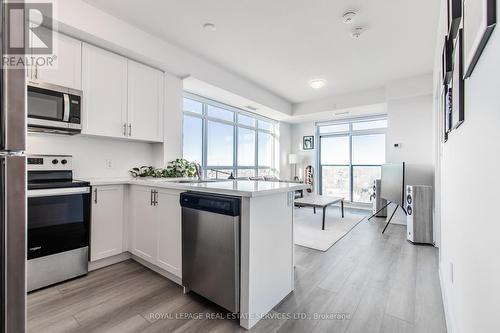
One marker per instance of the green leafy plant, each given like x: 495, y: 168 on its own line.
x: 179, y: 168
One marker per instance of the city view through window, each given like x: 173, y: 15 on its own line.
x: 350, y: 158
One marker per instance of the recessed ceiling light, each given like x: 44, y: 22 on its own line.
x: 209, y: 27
x: 317, y: 83
x: 341, y: 113
x: 348, y: 17
x: 251, y: 108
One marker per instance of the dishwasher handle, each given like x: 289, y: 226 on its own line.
x: 218, y: 204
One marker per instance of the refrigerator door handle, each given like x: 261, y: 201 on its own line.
x: 13, y: 110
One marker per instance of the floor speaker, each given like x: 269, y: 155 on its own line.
x: 418, y: 204
x: 377, y: 201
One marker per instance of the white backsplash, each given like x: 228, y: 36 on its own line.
x: 94, y: 157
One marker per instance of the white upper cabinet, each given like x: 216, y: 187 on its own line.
x: 121, y: 98
x: 106, y: 238
x: 104, y: 80
x: 145, y: 102
x: 169, y: 231
x: 67, y: 64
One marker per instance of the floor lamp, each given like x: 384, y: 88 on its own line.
x: 292, y: 160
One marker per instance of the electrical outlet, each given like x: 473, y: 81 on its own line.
x: 109, y: 164
x: 451, y: 272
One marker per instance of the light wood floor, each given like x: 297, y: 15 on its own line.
x: 367, y: 282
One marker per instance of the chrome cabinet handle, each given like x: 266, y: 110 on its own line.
x: 95, y: 196
x: 151, y: 198
x: 156, y: 197
x: 124, y: 129
x: 129, y: 129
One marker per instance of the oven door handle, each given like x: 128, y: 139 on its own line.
x: 67, y: 107
x: 57, y: 192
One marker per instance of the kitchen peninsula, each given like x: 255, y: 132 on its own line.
x: 152, y: 234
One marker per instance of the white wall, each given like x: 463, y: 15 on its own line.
x: 469, y: 195
x: 305, y: 157
x: 410, y: 124
x: 92, y: 153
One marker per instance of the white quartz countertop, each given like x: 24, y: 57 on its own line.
x: 243, y: 188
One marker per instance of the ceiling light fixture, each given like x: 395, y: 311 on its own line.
x: 317, y: 83
x: 209, y: 27
x: 341, y: 113
x: 348, y: 17
x: 251, y: 108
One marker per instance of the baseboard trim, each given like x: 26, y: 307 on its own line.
x: 93, y: 265
x: 158, y: 270
x: 446, y: 305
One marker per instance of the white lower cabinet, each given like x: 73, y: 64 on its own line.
x: 155, y: 227
x: 169, y: 231
x: 106, y: 230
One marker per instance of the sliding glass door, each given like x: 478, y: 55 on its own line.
x: 350, y: 158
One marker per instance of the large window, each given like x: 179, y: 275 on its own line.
x: 350, y: 158
x: 225, y: 139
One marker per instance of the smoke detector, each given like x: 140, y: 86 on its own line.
x: 348, y: 17
x: 357, y: 32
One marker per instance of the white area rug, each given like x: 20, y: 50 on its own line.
x: 307, y: 227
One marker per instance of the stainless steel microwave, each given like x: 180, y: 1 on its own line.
x: 54, y: 109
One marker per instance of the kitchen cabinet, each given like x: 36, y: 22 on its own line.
x: 155, y: 231
x: 104, y: 81
x: 143, y: 224
x: 169, y: 231
x: 122, y: 98
x: 106, y: 230
x: 67, y: 63
x: 145, y: 102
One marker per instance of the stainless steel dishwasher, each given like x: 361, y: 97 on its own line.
x: 211, y: 247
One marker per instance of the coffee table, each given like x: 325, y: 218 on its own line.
x: 320, y: 201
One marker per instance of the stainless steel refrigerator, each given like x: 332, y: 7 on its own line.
x: 12, y: 194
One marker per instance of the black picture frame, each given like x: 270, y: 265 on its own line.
x: 454, y: 17
x: 476, y: 32
x: 447, y: 59
x: 457, y: 83
x: 308, y: 142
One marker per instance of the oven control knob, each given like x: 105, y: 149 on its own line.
x: 55, y: 161
x: 63, y: 162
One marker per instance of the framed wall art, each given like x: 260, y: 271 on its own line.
x: 308, y: 142
x: 447, y: 59
x: 457, y: 104
x: 479, y: 20
x: 454, y: 17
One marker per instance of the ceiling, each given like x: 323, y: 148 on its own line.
x: 282, y: 44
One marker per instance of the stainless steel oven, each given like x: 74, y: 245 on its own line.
x: 58, y: 222
x: 53, y: 108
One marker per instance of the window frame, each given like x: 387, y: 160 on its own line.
x: 236, y: 125
x: 350, y: 133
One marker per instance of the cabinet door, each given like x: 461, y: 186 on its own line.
x: 67, y: 65
x: 145, y: 102
x: 104, y: 80
x: 169, y: 232
x: 106, y: 232
x: 144, y: 227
